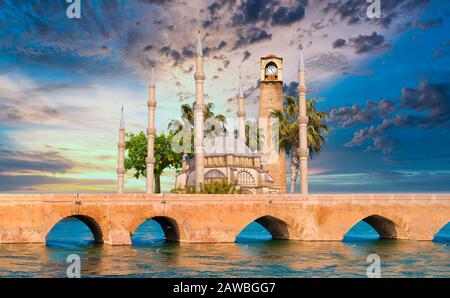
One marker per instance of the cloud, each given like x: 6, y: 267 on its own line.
x: 287, y: 15
x: 430, y: 104
x: 355, y: 11
x: 247, y: 55
x: 349, y: 116
x: 368, y: 43
x: 50, y: 184
x: 432, y: 99
x: 291, y: 89
x: 338, y: 43
x: 250, y: 36
x: 34, y: 161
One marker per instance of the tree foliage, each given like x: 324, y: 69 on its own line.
x: 289, y: 132
x: 165, y: 158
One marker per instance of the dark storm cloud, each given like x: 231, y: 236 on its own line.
x: 291, y: 89
x: 368, y: 43
x: 222, y: 44
x: 25, y: 162
x: 251, y: 12
x: 188, y: 52
x: 286, y: 15
x: 247, y: 55
x: 268, y: 11
x: 433, y: 99
x: 338, y: 43
x: 250, y: 36
x: 349, y: 116
x: 31, y: 182
x: 430, y: 104
x: 171, y: 53
x: 214, y: 12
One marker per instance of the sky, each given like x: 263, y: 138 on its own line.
x: 384, y: 83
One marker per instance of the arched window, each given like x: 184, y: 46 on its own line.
x: 244, y: 178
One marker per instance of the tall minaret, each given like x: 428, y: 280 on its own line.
x: 303, y: 127
x: 150, y: 161
x: 198, y: 122
x: 121, y: 157
x: 241, y: 111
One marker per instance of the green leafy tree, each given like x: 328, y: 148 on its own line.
x: 165, y: 158
x: 289, y: 132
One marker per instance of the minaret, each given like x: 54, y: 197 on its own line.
x: 241, y: 112
x: 150, y: 161
x: 198, y: 122
x: 303, y: 127
x: 184, y: 163
x: 121, y: 157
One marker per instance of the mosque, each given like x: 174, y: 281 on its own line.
x: 227, y: 158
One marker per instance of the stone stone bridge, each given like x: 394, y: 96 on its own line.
x: 113, y: 218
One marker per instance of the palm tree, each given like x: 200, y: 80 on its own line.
x: 289, y: 132
x: 188, y: 113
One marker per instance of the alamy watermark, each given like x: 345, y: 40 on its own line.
x: 74, y: 269
x: 374, y: 9
x: 374, y: 269
x: 74, y: 9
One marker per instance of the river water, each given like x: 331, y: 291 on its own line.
x: 253, y: 255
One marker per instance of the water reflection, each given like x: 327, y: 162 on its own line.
x: 362, y: 231
x: 274, y: 258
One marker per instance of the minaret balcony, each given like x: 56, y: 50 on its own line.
x: 303, y: 119
x: 199, y: 76
x: 151, y: 103
x: 302, y: 89
x: 150, y: 160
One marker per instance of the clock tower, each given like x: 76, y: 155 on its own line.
x: 273, y: 159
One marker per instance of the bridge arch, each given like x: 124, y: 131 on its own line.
x: 385, y: 227
x: 168, y: 224
x: 443, y: 235
x: 90, y: 222
x: 276, y: 227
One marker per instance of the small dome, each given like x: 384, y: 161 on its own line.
x: 215, y: 174
x: 185, y: 157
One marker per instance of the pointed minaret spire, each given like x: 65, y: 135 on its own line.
x: 152, y: 76
x: 121, y: 156
x: 301, y: 64
x: 199, y: 45
x: 240, y: 89
x: 122, y: 121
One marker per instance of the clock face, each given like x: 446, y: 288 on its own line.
x: 271, y: 70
